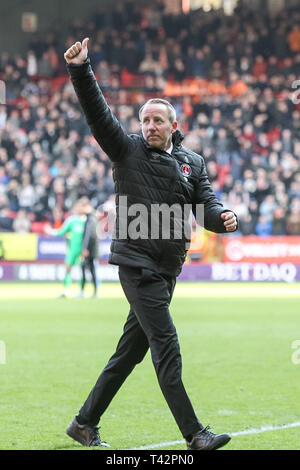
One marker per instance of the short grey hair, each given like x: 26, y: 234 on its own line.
x: 170, y: 108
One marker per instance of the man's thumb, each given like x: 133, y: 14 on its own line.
x: 85, y: 43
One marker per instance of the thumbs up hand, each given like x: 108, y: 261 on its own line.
x: 77, y: 53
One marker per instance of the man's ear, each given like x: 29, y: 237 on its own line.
x: 174, y: 126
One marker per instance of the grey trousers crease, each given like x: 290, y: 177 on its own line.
x: 149, y: 325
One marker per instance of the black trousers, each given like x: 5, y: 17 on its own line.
x: 149, y: 324
x: 89, y: 263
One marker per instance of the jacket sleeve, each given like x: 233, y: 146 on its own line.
x: 208, y: 205
x: 64, y: 229
x: 104, y: 126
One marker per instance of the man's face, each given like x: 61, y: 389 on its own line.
x: 156, y: 127
x: 78, y: 209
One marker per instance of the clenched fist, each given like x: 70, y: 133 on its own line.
x: 77, y: 53
x: 230, y: 221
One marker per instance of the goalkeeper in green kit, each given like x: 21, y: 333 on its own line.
x: 73, y: 228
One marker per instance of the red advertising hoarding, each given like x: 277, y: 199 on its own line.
x: 253, y: 249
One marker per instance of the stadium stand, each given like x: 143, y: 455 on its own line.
x: 230, y: 79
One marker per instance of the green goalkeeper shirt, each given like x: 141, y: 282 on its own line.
x: 73, y: 227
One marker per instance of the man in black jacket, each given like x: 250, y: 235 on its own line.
x: 90, y: 246
x: 151, y: 170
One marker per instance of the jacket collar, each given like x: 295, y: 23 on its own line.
x: 177, y: 138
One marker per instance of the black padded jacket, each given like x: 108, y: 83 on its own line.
x: 148, y: 176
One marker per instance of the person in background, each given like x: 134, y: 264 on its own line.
x: 90, y: 247
x: 73, y: 229
x: 21, y: 223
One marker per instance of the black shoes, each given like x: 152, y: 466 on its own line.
x: 206, y: 440
x: 89, y: 436
x: 85, y: 434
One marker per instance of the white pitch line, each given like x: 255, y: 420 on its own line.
x: 238, y: 433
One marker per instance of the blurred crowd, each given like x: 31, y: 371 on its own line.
x: 230, y: 78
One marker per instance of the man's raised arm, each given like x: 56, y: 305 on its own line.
x: 104, y: 125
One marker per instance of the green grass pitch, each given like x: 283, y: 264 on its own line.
x: 236, y: 343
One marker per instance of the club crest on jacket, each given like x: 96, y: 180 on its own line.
x: 186, y: 169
